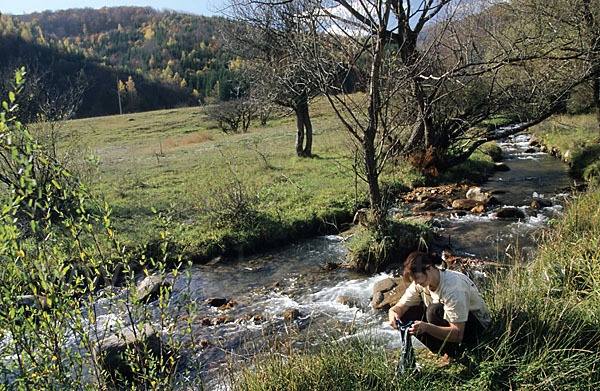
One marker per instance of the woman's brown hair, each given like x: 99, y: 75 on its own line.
x: 418, y: 261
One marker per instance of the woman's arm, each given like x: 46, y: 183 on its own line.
x: 452, y: 333
x: 396, y: 312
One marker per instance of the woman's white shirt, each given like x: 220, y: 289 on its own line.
x: 456, y: 292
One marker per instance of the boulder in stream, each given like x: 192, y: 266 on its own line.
x: 149, y: 288
x: 510, y: 213
x: 478, y: 209
x: 428, y: 205
x: 216, y: 301
x: 533, y: 141
x: 141, y: 341
x: 501, y: 167
x: 539, y: 204
x: 477, y: 194
x: 465, y: 204
x: 387, y: 292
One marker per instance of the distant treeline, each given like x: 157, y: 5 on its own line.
x: 162, y: 59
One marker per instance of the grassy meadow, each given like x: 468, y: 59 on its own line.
x: 210, y: 187
x: 216, y: 194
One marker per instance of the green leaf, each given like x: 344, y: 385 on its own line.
x: 11, y: 96
x: 5, y: 105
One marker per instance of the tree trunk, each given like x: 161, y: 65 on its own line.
x: 368, y: 141
x: 308, y: 127
x: 596, y: 87
x: 300, y: 130
x: 372, y: 178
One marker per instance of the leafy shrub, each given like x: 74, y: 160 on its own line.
x: 64, y: 291
x: 50, y: 182
x: 233, y: 204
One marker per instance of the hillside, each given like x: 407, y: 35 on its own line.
x: 161, y: 59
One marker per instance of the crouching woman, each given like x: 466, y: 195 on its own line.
x: 446, y: 307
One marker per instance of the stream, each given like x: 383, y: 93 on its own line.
x: 263, y: 286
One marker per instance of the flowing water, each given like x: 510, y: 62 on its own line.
x: 533, y: 176
x: 265, y: 285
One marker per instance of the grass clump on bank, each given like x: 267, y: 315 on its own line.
x: 545, y: 333
x: 370, y: 250
x: 354, y: 365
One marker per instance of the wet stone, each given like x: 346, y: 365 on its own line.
x: 385, y: 285
x: 465, y: 204
x: 216, y: 301
x: 205, y: 322
x: 477, y: 194
x: 220, y: 320
x: 491, y: 200
x: 428, y: 205
x: 329, y: 266
x: 387, y: 293
x: 478, y: 209
x: 501, y: 167
x: 149, y: 288
x: 111, y: 350
x: 539, y: 204
x: 510, y: 213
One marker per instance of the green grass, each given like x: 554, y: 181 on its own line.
x: 576, y: 140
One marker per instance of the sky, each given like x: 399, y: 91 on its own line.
x: 198, y: 7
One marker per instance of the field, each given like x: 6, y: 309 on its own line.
x: 174, y: 169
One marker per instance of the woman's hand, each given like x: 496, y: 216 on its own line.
x: 393, y: 316
x: 418, y: 327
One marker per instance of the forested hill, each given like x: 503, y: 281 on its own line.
x: 161, y: 59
